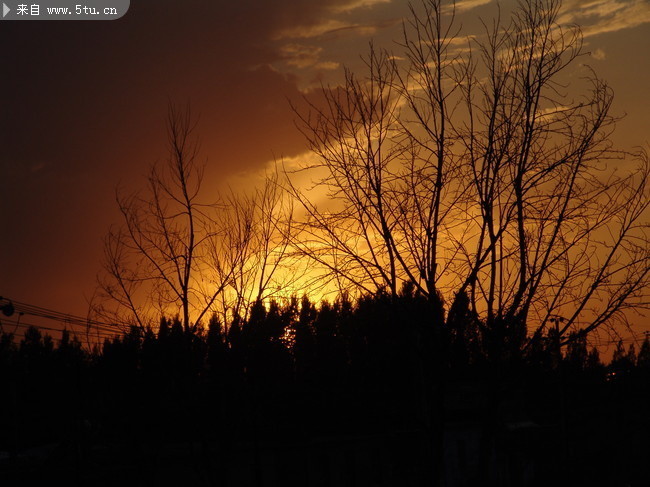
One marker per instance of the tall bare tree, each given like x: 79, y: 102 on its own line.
x: 466, y: 167
x: 159, y: 260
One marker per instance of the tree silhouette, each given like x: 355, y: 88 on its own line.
x: 622, y: 361
x: 643, y: 359
x: 577, y: 357
x: 252, y: 248
x: 304, y: 342
x: 469, y: 170
x: 332, y: 373
x: 161, y: 256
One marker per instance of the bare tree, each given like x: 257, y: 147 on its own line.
x: 553, y: 217
x: 352, y: 134
x: 253, y: 253
x: 159, y: 259
x: 465, y: 169
x: 178, y: 253
x: 468, y: 168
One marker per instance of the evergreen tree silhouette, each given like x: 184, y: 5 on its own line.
x: 304, y: 345
x: 643, y: 359
x: 463, y: 328
x: 594, y: 366
x: 577, y: 356
x: 216, y: 346
x: 622, y: 361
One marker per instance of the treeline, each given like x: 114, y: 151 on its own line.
x: 289, y: 369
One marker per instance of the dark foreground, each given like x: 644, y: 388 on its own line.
x: 338, y: 403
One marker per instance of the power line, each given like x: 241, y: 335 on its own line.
x: 21, y: 324
x: 100, y: 328
x: 56, y: 315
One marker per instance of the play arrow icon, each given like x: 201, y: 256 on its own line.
x: 5, y: 10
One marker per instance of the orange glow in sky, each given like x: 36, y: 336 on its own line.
x: 85, y: 104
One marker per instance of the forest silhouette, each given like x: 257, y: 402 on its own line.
x: 277, y: 397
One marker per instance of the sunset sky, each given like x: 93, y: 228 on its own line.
x: 83, y: 107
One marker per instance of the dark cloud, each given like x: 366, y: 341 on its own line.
x: 83, y: 106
